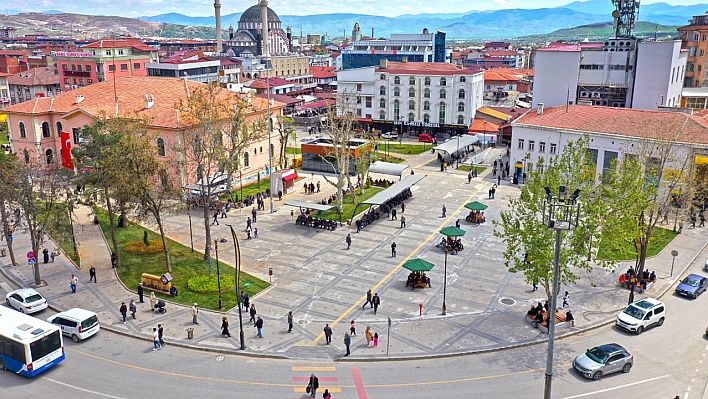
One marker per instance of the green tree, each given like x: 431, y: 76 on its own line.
x: 8, y: 183
x: 522, y: 229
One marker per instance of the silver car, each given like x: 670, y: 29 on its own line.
x: 603, y: 359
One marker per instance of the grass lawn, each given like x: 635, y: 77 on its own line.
x: 468, y: 168
x: 660, y: 238
x: 293, y: 150
x: 62, y: 232
x: 381, y: 156
x: 348, y: 206
x: 185, y: 264
x: 249, y: 189
x: 413, y: 149
x: 3, y: 138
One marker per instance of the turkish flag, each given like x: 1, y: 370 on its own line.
x: 66, y: 151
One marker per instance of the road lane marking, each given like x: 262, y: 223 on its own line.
x: 321, y: 379
x: 359, y: 383
x: 83, y: 389
x: 312, y: 368
x: 5, y: 287
x: 398, y: 267
x: 617, y: 387
x: 321, y: 388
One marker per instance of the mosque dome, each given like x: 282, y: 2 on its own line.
x: 253, y: 15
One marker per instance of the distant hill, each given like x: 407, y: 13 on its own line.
x: 600, y: 30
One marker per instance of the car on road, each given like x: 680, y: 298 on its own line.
x: 602, y: 360
x: 425, y: 138
x: 77, y: 323
x: 390, y: 136
x: 26, y: 300
x: 640, y: 315
x: 692, y: 286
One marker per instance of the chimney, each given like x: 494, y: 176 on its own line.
x: 149, y: 101
x: 540, y: 108
x: 79, y: 99
x: 384, y: 63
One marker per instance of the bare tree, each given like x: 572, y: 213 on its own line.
x: 284, y: 128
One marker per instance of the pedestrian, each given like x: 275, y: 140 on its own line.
x: 565, y: 299
x: 376, y: 301
x: 51, y: 256
x: 225, y: 327
x: 114, y: 259
x: 248, y: 222
x: 444, y: 211
x: 155, y: 339
x: 403, y: 221
x: 489, y: 196
x: 369, y: 336
x: 328, y: 334
x: 246, y: 302
x: 318, y: 187
x: 376, y: 340
x: 223, y: 212
x: 368, y: 299
x: 347, y: 341
x: 290, y: 321
x: 393, y: 214
x: 312, y: 385
x: 140, y: 292
x: 252, y: 312
x: 499, y: 180
x: 348, y: 240
x: 248, y: 232
x: 703, y: 219
x: 457, y: 223
x: 195, y: 312
x: 45, y: 252
x: 494, y: 191
x: 92, y: 274
x: 393, y: 249
x: 469, y: 177
x: 254, y: 214
x: 403, y: 206
x: 358, y: 225
x: 160, y: 332
x: 326, y: 394
x: 255, y: 232
x: 123, y: 311
x: 72, y: 283
x: 133, y: 308
x: 216, y: 218
x: 259, y: 327
x: 352, y: 329
x: 535, y: 285
x: 569, y: 318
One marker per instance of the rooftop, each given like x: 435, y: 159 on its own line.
x: 425, y: 68
x: 35, y: 77
x: 129, y: 42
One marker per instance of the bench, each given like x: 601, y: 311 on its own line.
x: 637, y: 287
x: 543, y: 327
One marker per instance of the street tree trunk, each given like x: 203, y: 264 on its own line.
x: 111, y: 216
x: 7, y: 231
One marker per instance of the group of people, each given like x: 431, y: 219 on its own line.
x: 539, y: 314
x: 381, y: 182
x: 451, y: 244
x: 630, y: 279
x: 329, y: 200
x: 415, y: 278
x: 309, y: 221
x: 310, y: 188
x: 476, y: 217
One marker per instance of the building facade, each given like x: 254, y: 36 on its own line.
x: 694, y: 38
x: 247, y: 40
x: 425, y: 47
x: 35, y: 83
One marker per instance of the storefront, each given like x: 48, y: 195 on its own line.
x: 283, y: 180
x: 440, y: 130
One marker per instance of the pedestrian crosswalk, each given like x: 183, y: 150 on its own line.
x: 324, y: 374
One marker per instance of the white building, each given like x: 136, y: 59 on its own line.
x: 423, y: 97
x: 613, y: 73
x: 543, y: 133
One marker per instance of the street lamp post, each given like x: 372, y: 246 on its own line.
x: 218, y: 272
x: 674, y: 254
x: 444, y: 307
x: 559, y: 213
x: 457, y: 154
x: 270, y: 130
x: 237, y: 259
x: 191, y: 237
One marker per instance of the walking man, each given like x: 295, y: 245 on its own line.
x: 254, y: 214
x: 393, y: 249
x: 72, y: 283
x: 318, y: 190
x: 155, y: 339
x: 92, y: 274
x: 252, y: 312
x: 195, y: 312
x: 328, y: 334
x: 216, y: 218
x: 565, y: 299
x: 259, y: 327
x: 314, y: 381
x: 403, y: 206
x: 469, y: 177
x: 133, y: 308
x: 403, y: 221
x: 160, y: 332
x: 444, y: 211
x: 347, y: 341
x: 140, y: 292
x: 123, y: 311
x: 290, y: 321
x: 349, y: 241
x: 368, y: 300
x: 248, y: 222
x: 114, y: 259
x: 376, y: 301
x: 248, y: 232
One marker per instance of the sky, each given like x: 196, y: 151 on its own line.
x: 391, y: 8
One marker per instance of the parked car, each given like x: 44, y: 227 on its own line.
x: 602, y: 360
x: 692, y: 286
x: 426, y: 138
x: 77, y: 323
x: 705, y: 267
x: 390, y: 136
x: 26, y: 300
x: 641, y: 315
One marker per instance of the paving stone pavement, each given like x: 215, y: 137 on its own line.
x: 322, y: 282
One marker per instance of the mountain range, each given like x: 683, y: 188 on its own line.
x: 509, y: 23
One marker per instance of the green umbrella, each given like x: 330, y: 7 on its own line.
x: 418, y: 265
x: 452, y: 231
x: 476, y: 206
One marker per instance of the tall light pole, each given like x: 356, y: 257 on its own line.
x: 191, y: 237
x: 559, y: 213
x: 218, y: 272
x: 457, y: 154
x: 444, y: 307
x: 237, y: 277
x: 270, y: 131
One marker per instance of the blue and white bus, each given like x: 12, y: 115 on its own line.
x: 28, y: 345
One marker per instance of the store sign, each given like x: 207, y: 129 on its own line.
x: 72, y: 54
x: 391, y: 52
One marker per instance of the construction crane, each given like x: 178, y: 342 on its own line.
x: 625, y: 16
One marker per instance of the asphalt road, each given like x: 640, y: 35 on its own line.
x: 668, y: 362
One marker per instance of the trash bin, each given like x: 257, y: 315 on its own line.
x: 190, y: 333
x: 3, y: 252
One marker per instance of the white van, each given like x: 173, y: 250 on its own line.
x: 77, y: 323
x: 641, y: 315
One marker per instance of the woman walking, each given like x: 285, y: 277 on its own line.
x: 369, y: 336
x: 225, y: 326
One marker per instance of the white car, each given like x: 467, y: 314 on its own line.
x: 76, y: 323
x: 26, y: 300
x: 641, y: 315
x: 390, y: 136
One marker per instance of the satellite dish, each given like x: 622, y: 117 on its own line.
x: 615, y: 14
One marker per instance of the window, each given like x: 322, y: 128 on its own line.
x: 89, y: 81
x: 397, y: 80
x: 382, y: 103
x: 67, y: 81
x: 426, y: 93
x: 396, y: 107
x: 76, y: 135
x: 521, y: 144
x: 50, y: 156
x: 255, y: 151
x: 382, y: 115
x: 259, y: 149
x: 443, y: 82
x: 443, y: 93
x: 368, y: 102
x: 460, y: 119
x: 87, y: 68
x: 426, y: 106
x: 553, y: 148
x: 123, y: 67
x: 532, y: 145
x: 23, y: 132
x: 136, y: 65
x: 64, y: 67
x: 358, y: 87
x: 26, y: 155
x: 541, y: 146
x: 59, y: 128
x: 396, y: 92
x: 109, y: 53
x: 427, y: 81
x: 111, y: 68
x: 120, y: 52
x: 411, y: 117
x: 463, y: 79
x: 411, y: 81
x: 441, y: 119
x: 382, y: 90
x: 382, y: 77
x: 426, y: 118
x: 411, y: 104
x: 161, y: 147
x: 702, y: 52
x: 46, y: 133
x: 411, y: 92
x: 245, y: 160
x: 461, y: 93
x: 461, y: 106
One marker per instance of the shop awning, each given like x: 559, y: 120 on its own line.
x: 387, y: 168
x: 453, y: 145
x: 291, y: 176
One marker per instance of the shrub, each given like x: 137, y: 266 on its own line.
x: 209, y: 285
x: 139, y: 248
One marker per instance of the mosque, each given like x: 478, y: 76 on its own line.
x: 247, y: 40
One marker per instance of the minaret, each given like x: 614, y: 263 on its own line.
x: 217, y: 14
x: 264, y: 27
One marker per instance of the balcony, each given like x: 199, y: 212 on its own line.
x: 82, y: 74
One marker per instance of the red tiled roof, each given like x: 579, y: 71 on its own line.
x: 319, y: 104
x: 322, y: 72
x: 492, y: 75
x: 128, y: 42
x: 35, y: 77
x: 621, y: 122
x: 481, y: 125
x: 14, y: 53
x: 281, y: 98
x: 273, y: 82
x: 425, y: 68
x: 501, y: 53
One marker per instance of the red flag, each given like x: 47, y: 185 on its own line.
x: 66, y: 151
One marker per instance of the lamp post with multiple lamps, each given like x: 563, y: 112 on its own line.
x: 218, y: 271
x: 237, y: 278
x: 560, y: 213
